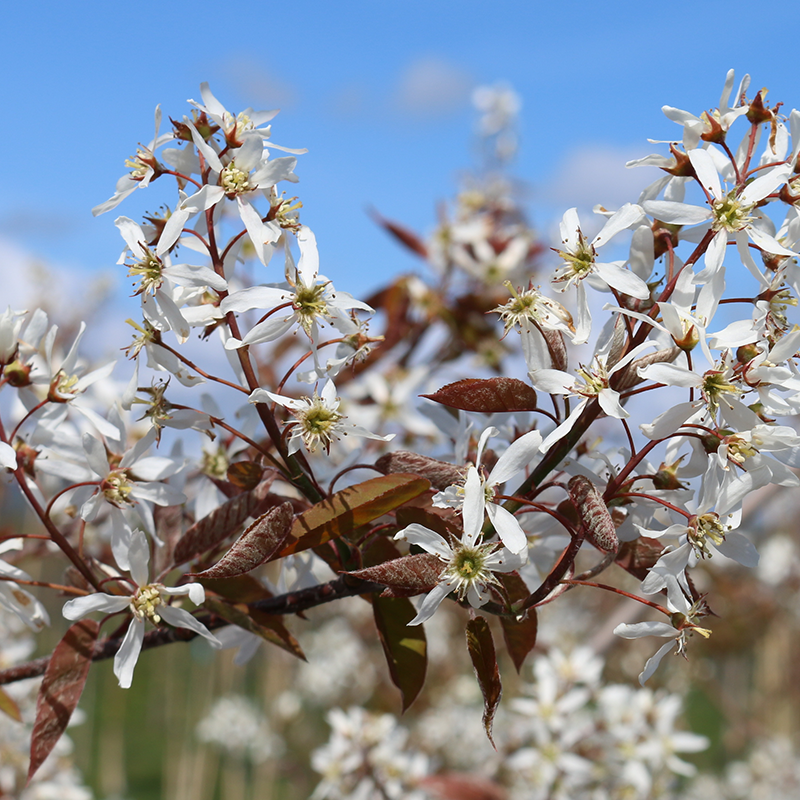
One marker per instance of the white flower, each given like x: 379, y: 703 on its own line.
x: 135, y: 481
x: 17, y: 600
x: 145, y: 603
x: 156, y: 276
x: 518, y: 455
x: 683, y: 617
x: 594, y: 383
x: 731, y: 212
x: 308, y: 299
x: 319, y: 421
x: 469, y: 563
x: 142, y: 166
x: 580, y: 262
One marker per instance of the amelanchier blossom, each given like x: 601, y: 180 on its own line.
x: 307, y: 299
x: 580, y: 263
x: 156, y: 276
x: 318, y: 419
x: 682, y: 626
x: 149, y: 601
x: 469, y: 563
x: 732, y: 212
x: 514, y: 459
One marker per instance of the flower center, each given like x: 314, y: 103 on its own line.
x: 117, y: 488
x: 138, y: 165
x: 594, y: 379
x: 310, y: 303
x: 62, y: 387
x: 531, y: 305
x: 715, y: 386
x: 704, y: 528
x: 468, y: 567
x: 318, y: 423
x: 148, y: 271
x: 234, y: 181
x: 730, y: 214
x: 145, y: 602
x: 577, y: 264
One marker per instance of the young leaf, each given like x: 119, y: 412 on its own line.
x: 220, y: 523
x: 441, y: 474
x: 245, y: 474
x: 351, y: 508
x: 9, y: 707
x: 256, y: 545
x: 241, y: 589
x: 268, y: 626
x: 61, y: 689
x: 490, y: 395
x: 519, y: 635
x: 405, y: 648
x: 406, y: 576
x: 484, y: 662
x: 462, y: 786
x: 403, y: 235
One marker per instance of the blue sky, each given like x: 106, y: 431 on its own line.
x: 378, y: 92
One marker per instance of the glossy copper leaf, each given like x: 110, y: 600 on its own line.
x: 267, y: 626
x: 405, y: 647
x: 256, y: 545
x: 241, y: 589
x: 245, y: 474
x: 351, y: 508
x: 406, y: 576
x: 441, y: 474
x: 220, y: 523
x: 519, y: 635
x: 489, y: 395
x: 61, y: 689
x: 484, y: 661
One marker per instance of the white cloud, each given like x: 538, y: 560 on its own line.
x: 597, y: 174
x: 432, y: 87
x: 263, y: 88
x: 584, y: 177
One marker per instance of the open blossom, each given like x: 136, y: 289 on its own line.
x: 307, y: 299
x: 470, y: 563
x: 144, y: 167
x: 318, y: 419
x: 594, y: 382
x: 518, y: 456
x: 682, y: 626
x: 156, y: 276
x: 580, y: 263
x: 148, y: 601
x: 731, y: 213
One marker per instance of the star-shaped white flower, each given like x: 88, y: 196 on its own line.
x: 730, y: 213
x: 518, y: 455
x: 470, y: 563
x: 318, y: 419
x: 147, y: 602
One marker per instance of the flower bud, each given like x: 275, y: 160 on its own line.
x: 758, y: 112
x: 667, y: 476
x: 17, y: 374
x: 746, y: 353
x: 593, y: 513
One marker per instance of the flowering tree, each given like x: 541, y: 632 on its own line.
x: 313, y: 455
